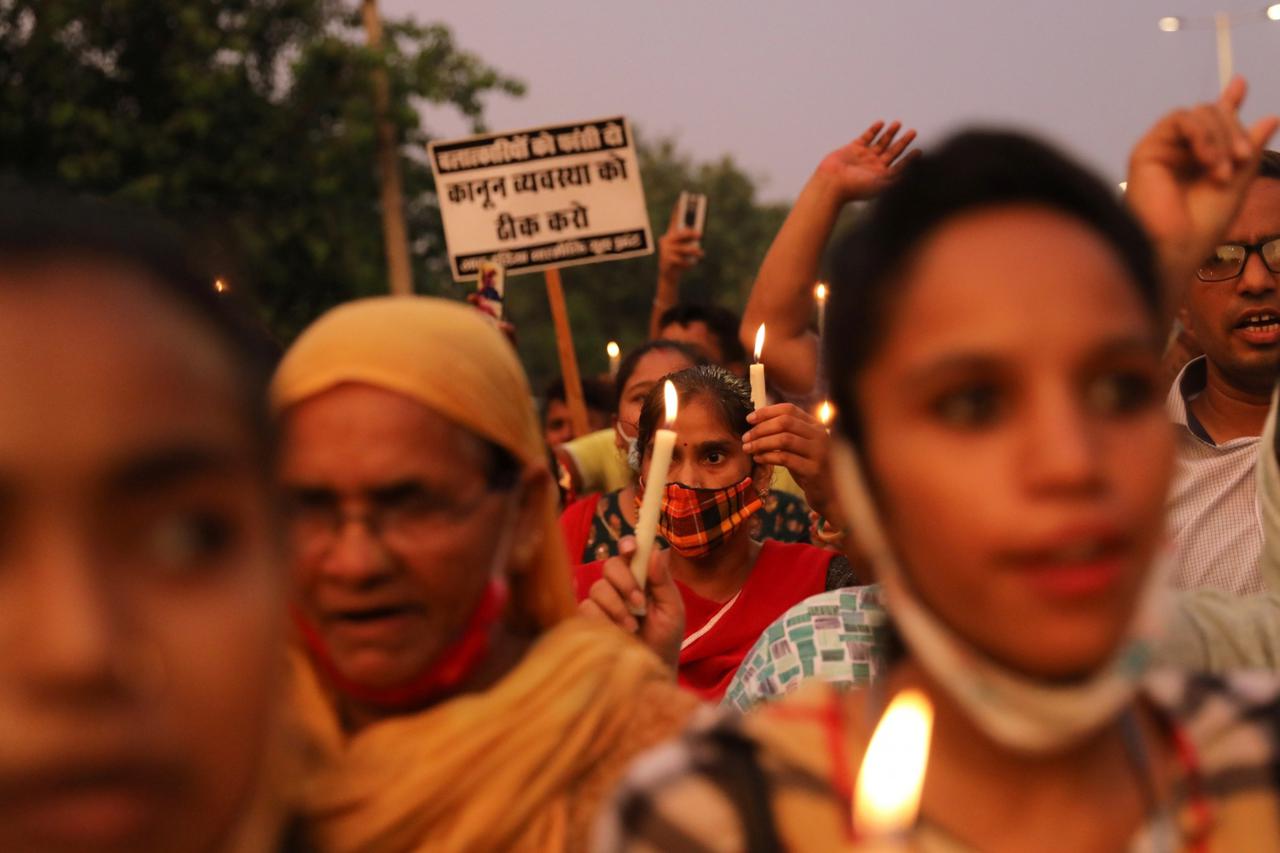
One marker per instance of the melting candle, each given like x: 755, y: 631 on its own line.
x: 655, y: 483
x: 759, y: 399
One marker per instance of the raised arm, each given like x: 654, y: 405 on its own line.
x: 782, y: 296
x: 678, y: 251
x: 1187, y: 179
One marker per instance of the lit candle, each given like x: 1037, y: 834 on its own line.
x: 820, y: 295
x: 219, y: 285
x: 758, y: 397
x: 615, y: 357
x: 825, y: 414
x: 655, y: 483
x: 887, y: 797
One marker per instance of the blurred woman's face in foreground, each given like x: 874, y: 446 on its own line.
x: 140, y: 596
x: 1016, y: 436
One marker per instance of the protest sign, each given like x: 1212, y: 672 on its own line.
x: 541, y: 198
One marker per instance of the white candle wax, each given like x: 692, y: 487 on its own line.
x: 758, y: 397
x: 615, y: 358
x: 664, y: 442
x: 820, y: 295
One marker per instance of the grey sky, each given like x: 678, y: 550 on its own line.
x: 778, y: 84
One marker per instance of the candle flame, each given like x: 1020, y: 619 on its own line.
x: 759, y: 341
x: 887, y: 798
x: 612, y: 349
x: 825, y: 413
x: 672, y: 400
x: 820, y: 292
x: 219, y: 285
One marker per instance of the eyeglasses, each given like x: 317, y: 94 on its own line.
x: 1228, y: 260
x: 399, y: 519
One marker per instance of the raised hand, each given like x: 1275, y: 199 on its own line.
x: 786, y: 435
x: 678, y: 249
x: 1189, y: 174
x: 616, y: 597
x: 864, y: 167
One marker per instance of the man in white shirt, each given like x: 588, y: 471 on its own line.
x: 1219, y: 401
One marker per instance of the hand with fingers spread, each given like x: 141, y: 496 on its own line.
x: 783, y: 292
x: 865, y: 166
x: 787, y: 435
x: 1189, y: 174
x: 616, y: 597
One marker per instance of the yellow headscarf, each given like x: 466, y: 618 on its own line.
x: 449, y: 358
x: 523, y: 764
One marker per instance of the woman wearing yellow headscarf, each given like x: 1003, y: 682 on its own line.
x: 455, y: 701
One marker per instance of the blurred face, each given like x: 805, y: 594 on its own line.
x: 557, y: 428
x: 141, y: 599
x: 649, y: 370
x: 395, y: 530
x: 1017, y: 439
x: 1237, y: 321
x: 707, y: 454
x: 698, y: 335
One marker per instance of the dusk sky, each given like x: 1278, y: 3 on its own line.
x: 776, y: 85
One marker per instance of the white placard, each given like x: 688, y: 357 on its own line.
x: 544, y: 197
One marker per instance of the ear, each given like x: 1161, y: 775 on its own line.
x: 535, y: 500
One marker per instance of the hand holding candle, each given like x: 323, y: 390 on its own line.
x: 759, y: 397
x: 891, y: 779
x: 655, y: 483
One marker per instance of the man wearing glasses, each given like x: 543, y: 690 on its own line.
x: 1220, y: 400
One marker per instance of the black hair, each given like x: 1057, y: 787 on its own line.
x: 971, y: 171
x: 38, y: 227
x: 720, y: 321
x: 629, y: 364
x: 1270, y: 165
x: 598, y: 394
x: 729, y: 395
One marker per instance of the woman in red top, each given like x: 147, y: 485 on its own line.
x: 716, y: 589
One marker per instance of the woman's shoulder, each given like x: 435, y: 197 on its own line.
x: 736, y: 783
x: 1219, y: 711
x: 1228, y: 737
x: 836, y: 637
x: 773, y: 550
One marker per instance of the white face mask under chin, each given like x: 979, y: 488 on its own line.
x: 632, y: 451
x: 1017, y: 711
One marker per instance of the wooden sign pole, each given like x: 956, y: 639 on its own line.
x: 568, y: 358
x: 395, y: 235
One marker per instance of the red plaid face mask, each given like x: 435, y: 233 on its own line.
x: 694, y: 521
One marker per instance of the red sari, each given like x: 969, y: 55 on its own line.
x: 784, y: 575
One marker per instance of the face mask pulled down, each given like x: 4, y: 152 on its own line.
x: 1017, y: 711
x: 455, y: 663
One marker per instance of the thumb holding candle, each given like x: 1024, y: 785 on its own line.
x: 618, y: 598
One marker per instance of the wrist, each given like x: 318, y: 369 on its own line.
x: 825, y: 191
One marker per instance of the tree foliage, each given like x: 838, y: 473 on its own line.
x: 252, y: 121
x: 249, y: 119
